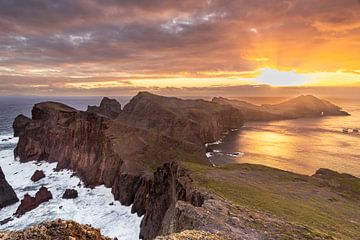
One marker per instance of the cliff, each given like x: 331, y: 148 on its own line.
x: 7, y: 194
x: 195, y: 121
x: 135, y: 154
x: 302, y: 106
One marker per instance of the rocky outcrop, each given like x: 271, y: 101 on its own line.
x: 19, y: 124
x: 29, y: 203
x: 38, y: 174
x: 70, y: 194
x: 108, y: 107
x: 58, y: 229
x: 302, y: 106
x: 345, y: 184
x: 134, y: 154
x: 7, y: 193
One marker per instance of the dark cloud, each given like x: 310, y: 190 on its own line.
x: 162, y: 37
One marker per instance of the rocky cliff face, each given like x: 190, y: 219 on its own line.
x: 134, y: 154
x: 7, y: 194
x: 195, y: 121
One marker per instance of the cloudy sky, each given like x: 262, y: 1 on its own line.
x: 118, y: 47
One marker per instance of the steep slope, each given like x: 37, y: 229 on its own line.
x: 195, y: 121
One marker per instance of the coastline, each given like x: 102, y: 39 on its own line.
x: 178, y: 189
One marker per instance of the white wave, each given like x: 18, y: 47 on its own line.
x: 235, y: 154
x: 91, y: 207
x: 213, y: 143
x: 209, y: 154
x: 8, y: 139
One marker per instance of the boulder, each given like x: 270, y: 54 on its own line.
x: 7, y: 193
x: 29, y: 203
x: 38, y: 174
x: 70, y: 194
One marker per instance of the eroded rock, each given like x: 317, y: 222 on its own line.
x: 29, y: 203
x: 7, y: 193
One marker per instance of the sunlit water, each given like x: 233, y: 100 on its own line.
x: 96, y: 207
x: 302, y: 145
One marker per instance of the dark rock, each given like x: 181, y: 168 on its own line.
x: 20, y: 124
x: 70, y: 194
x: 6, y: 220
x: 7, y: 193
x: 29, y: 203
x: 38, y: 174
x: 108, y: 107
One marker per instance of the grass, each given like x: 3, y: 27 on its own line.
x: 296, y: 198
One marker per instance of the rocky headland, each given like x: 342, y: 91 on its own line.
x: 152, y: 155
x: 299, y: 107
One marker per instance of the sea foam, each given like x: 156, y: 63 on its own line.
x: 96, y: 207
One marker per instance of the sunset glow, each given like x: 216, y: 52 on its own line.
x: 127, y: 46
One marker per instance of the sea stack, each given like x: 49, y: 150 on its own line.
x: 7, y: 193
x: 29, y: 203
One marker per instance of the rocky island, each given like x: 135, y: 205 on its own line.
x: 152, y: 154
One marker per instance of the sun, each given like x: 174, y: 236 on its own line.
x: 278, y: 78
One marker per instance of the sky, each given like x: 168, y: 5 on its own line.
x: 119, y: 47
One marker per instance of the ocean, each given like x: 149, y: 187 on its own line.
x: 301, y: 146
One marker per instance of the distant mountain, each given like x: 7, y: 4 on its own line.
x: 302, y: 106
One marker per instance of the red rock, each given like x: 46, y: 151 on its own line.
x: 38, y: 174
x: 29, y: 203
x: 7, y: 193
x: 70, y: 194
